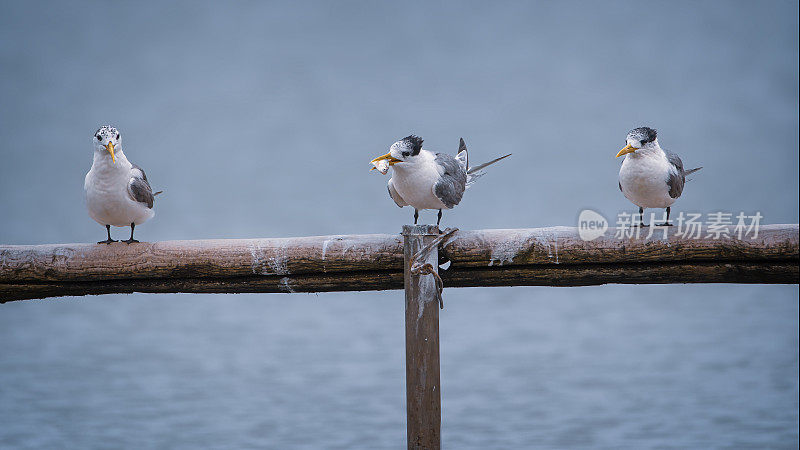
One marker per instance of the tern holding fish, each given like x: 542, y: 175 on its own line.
x: 426, y: 180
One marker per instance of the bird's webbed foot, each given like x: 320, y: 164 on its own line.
x: 131, y: 240
x: 108, y: 233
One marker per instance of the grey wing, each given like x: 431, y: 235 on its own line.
x: 139, y: 188
x: 398, y: 200
x: 677, y: 177
x: 452, y: 180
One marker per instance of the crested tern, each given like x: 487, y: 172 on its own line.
x: 117, y: 191
x: 650, y: 176
x: 426, y: 180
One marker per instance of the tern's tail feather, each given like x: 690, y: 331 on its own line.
x: 687, y: 172
x: 473, y: 173
x: 486, y: 164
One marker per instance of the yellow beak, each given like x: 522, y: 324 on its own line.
x: 392, y: 160
x: 626, y: 150
x: 110, y: 148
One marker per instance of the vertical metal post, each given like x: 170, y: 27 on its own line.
x: 423, y: 399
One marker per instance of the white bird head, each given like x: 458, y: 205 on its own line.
x: 401, y: 151
x: 638, y: 138
x: 106, y: 140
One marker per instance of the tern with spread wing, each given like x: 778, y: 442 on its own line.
x: 117, y: 191
x: 426, y: 180
x: 650, y: 176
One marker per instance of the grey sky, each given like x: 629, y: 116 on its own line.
x: 260, y: 120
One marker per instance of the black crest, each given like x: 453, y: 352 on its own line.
x: 106, y: 131
x: 644, y: 134
x: 413, y: 144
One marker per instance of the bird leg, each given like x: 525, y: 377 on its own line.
x: 666, y: 222
x: 109, y: 240
x: 439, y: 218
x: 641, y: 218
x: 416, y: 215
x: 131, y: 240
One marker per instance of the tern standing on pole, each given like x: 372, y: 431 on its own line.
x: 650, y: 177
x: 117, y: 191
x: 428, y: 180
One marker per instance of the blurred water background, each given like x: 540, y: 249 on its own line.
x: 259, y: 119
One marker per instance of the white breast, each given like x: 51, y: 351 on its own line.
x: 643, y: 178
x: 415, y: 180
x: 107, y: 198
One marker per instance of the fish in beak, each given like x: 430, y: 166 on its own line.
x: 626, y: 150
x: 378, y: 163
x: 110, y: 148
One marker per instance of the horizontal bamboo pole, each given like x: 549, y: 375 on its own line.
x: 553, y: 256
